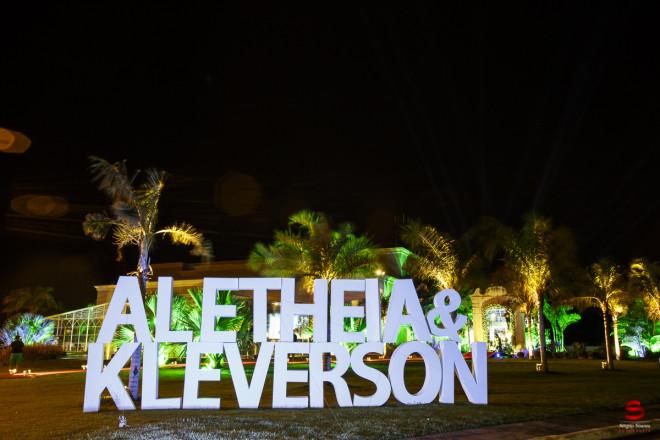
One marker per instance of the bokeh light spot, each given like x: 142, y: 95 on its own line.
x: 237, y: 194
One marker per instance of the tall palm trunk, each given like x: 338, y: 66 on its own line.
x: 327, y: 357
x: 530, y: 343
x: 136, y: 357
x: 553, y: 339
x: 615, y: 325
x: 541, y: 324
x: 608, y: 351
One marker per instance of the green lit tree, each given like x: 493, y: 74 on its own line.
x: 133, y: 220
x: 192, y: 320
x: 180, y: 308
x: 637, y: 332
x: 560, y: 318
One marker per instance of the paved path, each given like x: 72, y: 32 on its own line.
x: 561, y: 426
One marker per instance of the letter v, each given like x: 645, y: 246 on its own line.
x: 249, y: 395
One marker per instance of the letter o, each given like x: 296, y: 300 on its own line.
x: 432, y: 380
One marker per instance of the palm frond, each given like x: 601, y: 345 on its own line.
x: 124, y: 235
x: 356, y: 257
x: 112, y: 178
x: 436, y: 259
x: 645, y: 277
x: 187, y: 235
x: 306, y: 218
x: 125, y: 212
x: 97, y: 225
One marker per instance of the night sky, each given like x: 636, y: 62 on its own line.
x: 366, y: 114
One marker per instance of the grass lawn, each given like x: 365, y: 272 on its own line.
x: 51, y: 406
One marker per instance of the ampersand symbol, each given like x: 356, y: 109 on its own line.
x: 443, y: 309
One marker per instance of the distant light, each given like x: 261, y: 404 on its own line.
x: 379, y: 272
x: 40, y: 205
x: 13, y: 142
x: 237, y: 194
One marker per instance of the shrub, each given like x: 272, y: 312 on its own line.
x: 597, y: 353
x: 42, y: 352
x: 5, y: 352
x: 33, y: 353
x: 578, y: 349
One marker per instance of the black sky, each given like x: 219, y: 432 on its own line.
x: 432, y: 111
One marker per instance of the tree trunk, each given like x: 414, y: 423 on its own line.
x: 608, y: 351
x: 327, y: 358
x: 553, y: 341
x: 530, y: 343
x: 541, y: 326
x: 136, y: 357
x: 617, y: 348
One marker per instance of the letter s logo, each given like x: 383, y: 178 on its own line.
x: 634, y: 410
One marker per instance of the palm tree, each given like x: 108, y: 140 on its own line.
x: 520, y: 296
x: 33, y: 329
x: 645, y: 277
x: 133, y: 221
x: 607, y: 294
x: 311, y: 249
x: 437, y: 258
x: 441, y: 262
x: 35, y: 300
x: 180, y: 309
x: 528, y: 255
x: 191, y: 319
x: 619, y: 309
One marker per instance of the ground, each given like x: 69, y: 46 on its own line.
x: 51, y: 406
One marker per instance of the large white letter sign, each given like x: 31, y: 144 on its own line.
x: 193, y: 376
x: 404, y: 295
x: 282, y: 375
x: 150, y: 398
x: 432, y: 379
x: 383, y: 388
x: 440, y: 322
x: 445, y: 303
x: 211, y: 310
x: 339, y: 311
x: 164, y: 331
x: 372, y: 306
x: 260, y: 287
x: 127, y: 290
x: 290, y: 308
x: 249, y: 395
x: 475, y: 387
x: 98, y: 378
x: 335, y: 376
